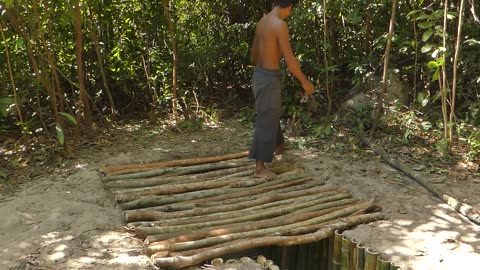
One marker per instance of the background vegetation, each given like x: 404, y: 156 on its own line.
x: 70, y: 67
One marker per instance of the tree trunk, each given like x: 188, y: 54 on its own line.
x: 12, y: 80
x: 327, y: 58
x: 84, y: 100
x: 385, y: 68
x: 443, y: 81
x: 40, y: 74
x: 455, y: 66
x: 171, y: 29
x: 95, y: 40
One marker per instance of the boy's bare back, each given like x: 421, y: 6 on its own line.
x: 267, y: 47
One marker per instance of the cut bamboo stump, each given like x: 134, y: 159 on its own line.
x: 360, y: 257
x: 371, y: 258
x: 466, y: 210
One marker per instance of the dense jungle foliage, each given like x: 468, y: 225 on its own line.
x: 72, y: 65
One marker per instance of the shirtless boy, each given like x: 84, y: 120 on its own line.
x: 270, y: 44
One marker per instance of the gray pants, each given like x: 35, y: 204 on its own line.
x: 267, y: 89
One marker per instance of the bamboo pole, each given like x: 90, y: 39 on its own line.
x: 133, y: 168
x: 286, y: 252
x: 337, y: 251
x: 262, y: 232
x: 345, y: 253
x: 203, y: 233
x: 382, y: 264
x: 215, y: 194
x: 371, y: 257
x: 353, y: 249
x: 241, y: 216
x: 155, y: 181
x: 179, y: 170
x: 360, y: 257
x: 219, y: 231
x: 204, y: 199
x: 185, y: 261
x: 126, y: 186
x: 466, y: 210
x: 394, y: 266
x: 310, y: 203
x: 148, y: 215
x: 129, y: 195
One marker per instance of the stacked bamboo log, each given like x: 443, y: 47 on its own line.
x: 349, y: 254
x: 190, y: 211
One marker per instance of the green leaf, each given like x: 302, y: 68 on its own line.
x: 433, y: 65
x: 426, y: 48
x: 423, y: 16
x: 60, y: 134
x: 425, y: 25
x: 8, y: 3
x: 5, y: 103
x: 3, y: 174
x: 436, y: 75
x: 69, y: 117
x: 427, y: 35
x: 472, y: 42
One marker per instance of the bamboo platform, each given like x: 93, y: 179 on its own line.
x: 191, y: 211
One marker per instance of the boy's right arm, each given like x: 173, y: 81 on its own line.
x: 291, y: 60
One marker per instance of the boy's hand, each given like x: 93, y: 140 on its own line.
x: 308, y: 87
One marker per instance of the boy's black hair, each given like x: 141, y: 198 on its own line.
x: 284, y: 3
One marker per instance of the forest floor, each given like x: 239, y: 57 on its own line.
x: 56, y: 214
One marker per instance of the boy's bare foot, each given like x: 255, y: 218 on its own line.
x: 266, y: 174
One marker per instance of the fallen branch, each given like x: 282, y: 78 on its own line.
x: 133, y: 168
x: 466, y: 210
x: 238, y: 246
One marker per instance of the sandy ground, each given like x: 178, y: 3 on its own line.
x: 67, y: 220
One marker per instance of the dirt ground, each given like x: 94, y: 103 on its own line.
x: 63, y: 218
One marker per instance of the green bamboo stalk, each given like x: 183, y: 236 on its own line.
x: 353, y: 249
x: 345, y: 250
x: 360, y: 257
x: 371, y: 257
x: 394, y: 266
x: 337, y: 248
x: 382, y: 264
